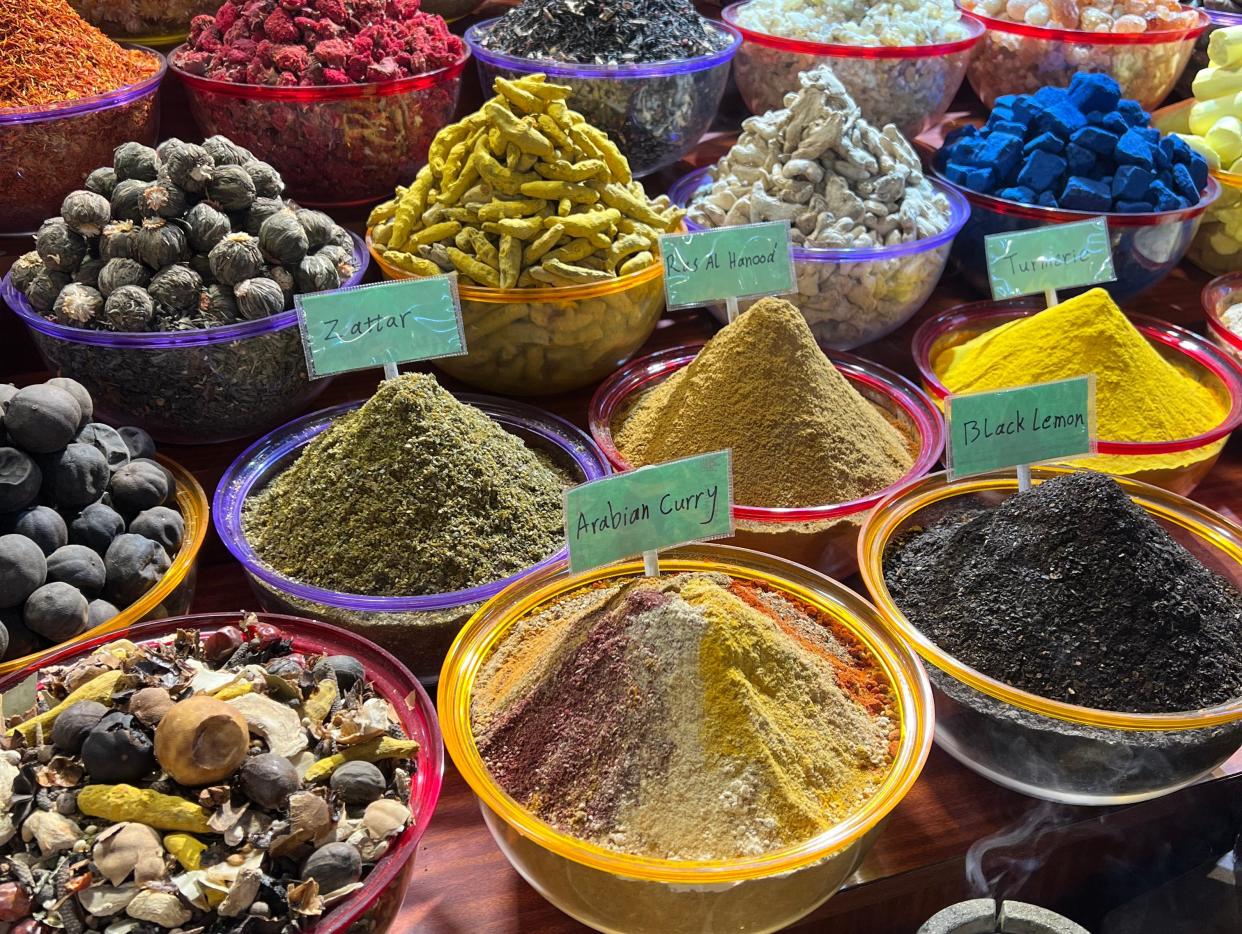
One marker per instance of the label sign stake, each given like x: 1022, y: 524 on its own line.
x: 727, y: 264
x: 1063, y: 256
x: 1019, y: 427
x: 380, y: 325
x: 643, y: 510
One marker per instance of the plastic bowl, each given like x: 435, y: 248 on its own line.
x: 1198, y: 56
x: 533, y: 342
x: 1015, y: 58
x: 174, y: 592
x: 451, y: 10
x: 1177, y: 464
x: 47, y: 151
x: 186, y: 387
x: 418, y: 630
x: 1218, y: 295
x: 909, y: 85
x: 821, y: 537
x: 1046, y: 748
x: 161, y: 24
x: 655, y: 112
x: 851, y: 297
x: 373, y: 907
x: 612, y: 891
x: 1146, y: 247
x: 334, y: 146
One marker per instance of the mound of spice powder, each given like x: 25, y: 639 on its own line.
x: 413, y: 493
x: 49, y: 54
x: 1073, y: 592
x: 287, y: 42
x: 691, y: 716
x: 801, y: 435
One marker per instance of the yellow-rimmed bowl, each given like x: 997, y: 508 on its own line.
x: 612, y: 891
x: 1041, y: 747
x: 173, y: 593
x: 534, y: 342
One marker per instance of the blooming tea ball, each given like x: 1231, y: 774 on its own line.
x: 86, y: 212
x: 176, y: 288
x: 20, y: 479
x: 224, y: 151
x: 231, y: 187
x: 161, y: 198
x: 160, y: 524
x: 88, y: 272
x: 79, y: 567
x: 134, y: 565
x: 101, y: 181
x: 42, y: 418
x: 267, y: 181
x: 95, y: 527
x: 44, y: 289
x: 188, y: 166
x: 23, y: 569
x: 220, y: 306
x: 42, y: 525
x: 126, y: 199
x: 129, y: 308
x: 205, y: 227
x: 261, y: 210
x: 283, y: 239
x: 55, y: 611
x: 161, y: 244
x: 236, y: 258
x: 259, y: 298
x: 135, y: 161
x: 60, y: 248
x: 119, y: 241
x: 316, y: 273
x: 77, y: 304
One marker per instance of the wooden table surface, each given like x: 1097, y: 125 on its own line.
x: 1080, y: 861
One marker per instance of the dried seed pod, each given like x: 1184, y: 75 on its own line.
x: 88, y: 272
x: 42, y: 290
x: 150, y: 704
x: 161, y: 244
x: 162, y: 198
x: 224, y: 151
x: 126, y: 199
x: 231, y: 188
x: 117, y: 273
x: 129, y: 308
x: 176, y: 288
x: 77, y: 304
x: 119, y: 241
x: 333, y: 866
x: 86, y: 212
x: 61, y: 249
x: 267, y: 181
x: 205, y: 227
x: 101, y: 181
x: 217, y: 304
x: 283, y: 239
x: 189, y: 166
x: 236, y: 258
x: 259, y: 298
x: 261, y: 210
x: 116, y: 751
x: 315, y: 274
x: 269, y: 779
x: 136, y: 161
x: 24, y: 270
x: 201, y: 740
x: 318, y: 227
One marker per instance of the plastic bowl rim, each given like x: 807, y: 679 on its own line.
x: 684, y: 189
x: 1189, y: 344
x: 1084, y: 37
x: 971, y: 21
x: 320, y: 92
x: 901, y: 505
x: 1226, y: 178
x: 126, y: 94
x: 668, y: 68
x: 160, y: 340
x: 1233, y: 282
x: 239, y: 479
x: 657, y: 367
x: 881, y: 640
x: 1222, y: 18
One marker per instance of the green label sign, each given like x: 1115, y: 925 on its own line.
x: 387, y: 323
x: 1026, y: 425
x: 653, y: 507
x: 729, y: 262
x: 1063, y: 256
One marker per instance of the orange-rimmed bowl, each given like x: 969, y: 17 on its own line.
x: 1176, y: 464
x: 533, y: 342
x: 1218, y: 296
x: 613, y: 891
x: 1041, y: 747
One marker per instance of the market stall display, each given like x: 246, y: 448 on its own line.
x: 901, y: 61
x: 150, y: 22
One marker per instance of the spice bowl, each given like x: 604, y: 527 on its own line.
x: 655, y: 112
x: 1041, y: 747
x: 334, y: 145
x: 1218, y: 296
x: 820, y: 537
x: 186, y: 387
x: 158, y: 24
x: 417, y: 629
x: 172, y: 594
x: 614, y: 891
x: 1014, y: 58
x: 909, y: 85
x: 530, y: 342
x: 1219, y: 19
x: 451, y: 10
x: 47, y: 151
x: 853, y: 296
x: 1177, y: 465
x: 373, y: 906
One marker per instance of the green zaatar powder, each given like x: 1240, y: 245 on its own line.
x: 414, y: 493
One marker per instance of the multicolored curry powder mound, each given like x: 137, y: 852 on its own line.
x: 691, y: 716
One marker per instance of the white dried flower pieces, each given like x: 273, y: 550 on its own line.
x: 856, y: 22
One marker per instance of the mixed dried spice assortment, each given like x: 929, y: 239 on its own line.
x: 218, y: 781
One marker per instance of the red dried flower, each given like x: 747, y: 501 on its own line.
x: 279, y: 27
x: 333, y: 52
x: 226, y: 16
x: 291, y: 58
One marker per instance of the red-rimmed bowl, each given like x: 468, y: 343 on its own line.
x: 1015, y: 58
x: 1218, y: 296
x: 1178, y: 464
x: 820, y: 537
x: 337, y: 145
x: 375, y: 904
x: 909, y: 85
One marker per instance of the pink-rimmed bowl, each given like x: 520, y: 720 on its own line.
x: 1218, y: 295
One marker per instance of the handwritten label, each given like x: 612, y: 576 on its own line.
x: 387, y: 323
x: 1026, y: 425
x: 653, y: 507
x: 729, y: 262
x: 1063, y: 256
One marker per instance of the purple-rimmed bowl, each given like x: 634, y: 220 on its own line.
x: 418, y: 630
x: 196, y: 386
x: 655, y: 112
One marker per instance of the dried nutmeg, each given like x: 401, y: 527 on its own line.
x: 269, y: 779
x: 201, y: 740
x: 73, y: 725
x: 149, y: 705
x: 117, y: 751
x: 333, y: 866
x: 359, y: 782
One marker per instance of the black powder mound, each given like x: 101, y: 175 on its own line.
x: 1072, y: 592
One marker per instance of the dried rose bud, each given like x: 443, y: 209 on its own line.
x: 219, y: 645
